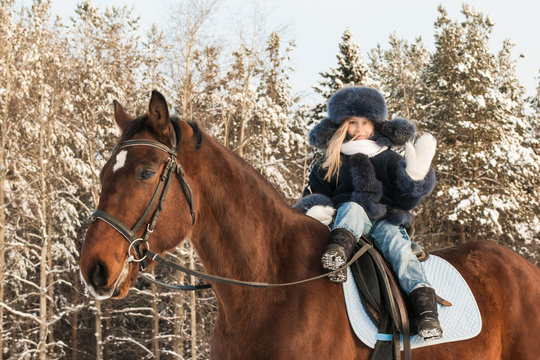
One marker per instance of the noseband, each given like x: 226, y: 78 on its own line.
x: 171, y: 166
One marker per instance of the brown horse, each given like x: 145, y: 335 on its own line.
x: 244, y: 230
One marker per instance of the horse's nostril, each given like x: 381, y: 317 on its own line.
x: 99, y: 276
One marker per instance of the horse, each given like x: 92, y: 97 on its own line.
x: 243, y: 229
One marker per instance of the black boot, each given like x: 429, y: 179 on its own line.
x: 337, y: 253
x: 424, y: 302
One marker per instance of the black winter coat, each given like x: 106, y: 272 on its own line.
x: 379, y: 184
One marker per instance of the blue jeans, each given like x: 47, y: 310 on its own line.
x: 391, y: 240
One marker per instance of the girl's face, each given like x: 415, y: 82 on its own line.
x: 360, y: 128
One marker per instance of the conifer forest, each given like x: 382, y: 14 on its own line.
x: 58, y: 80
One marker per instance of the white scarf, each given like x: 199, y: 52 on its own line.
x: 366, y: 147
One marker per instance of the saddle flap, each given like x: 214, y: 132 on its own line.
x: 367, y: 282
x: 377, y: 287
x: 461, y: 321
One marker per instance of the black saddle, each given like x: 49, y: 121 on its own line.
x: 385, y: 302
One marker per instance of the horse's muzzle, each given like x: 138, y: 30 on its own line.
x: 98, y: 277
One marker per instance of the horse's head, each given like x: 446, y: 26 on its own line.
x: 142, y: 172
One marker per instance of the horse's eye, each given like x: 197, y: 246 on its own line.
x: 145, y: 174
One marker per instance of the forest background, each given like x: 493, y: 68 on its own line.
x: 58, y: 79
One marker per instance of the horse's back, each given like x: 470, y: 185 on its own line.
x: 506, y: 288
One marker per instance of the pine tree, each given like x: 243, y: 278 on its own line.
x: 517, y: 163
x: 472, y: 102
x: 208, y: 103
x: 398, y: 73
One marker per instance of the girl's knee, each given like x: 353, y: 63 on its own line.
x: 350, y: 215
x: 384, y: 232
x: 354, y: 207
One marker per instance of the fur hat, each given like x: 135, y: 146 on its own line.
x: 357, y: 101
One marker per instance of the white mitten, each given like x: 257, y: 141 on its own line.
x: 324, y: 214
x: 418, y: 157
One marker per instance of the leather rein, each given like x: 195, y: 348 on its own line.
x: 139, y: 249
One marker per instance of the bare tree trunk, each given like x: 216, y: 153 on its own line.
x: 45, y: 136
x: 263, y: 140
x: 304, y: 172
x: 179, y: 312
x: 405, y: 92
x: 99, y: 333
x: 226, y: 121
x: 42, y: 345
x: 50, y: 287
x: 155, y: 325
x: 193, y: 307
x: 75, y: 319
x: 106, y: 314
x: 3, y: 172
x: 244, y: 115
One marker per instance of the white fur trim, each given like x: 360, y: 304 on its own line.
x: 120, y: 160
x: 418, y: 157
x: 324, y: 214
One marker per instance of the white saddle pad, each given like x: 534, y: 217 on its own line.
x: 460, y: 321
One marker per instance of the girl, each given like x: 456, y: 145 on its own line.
x: 373, y: 189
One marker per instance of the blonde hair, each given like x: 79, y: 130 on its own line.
x: 332, y: 158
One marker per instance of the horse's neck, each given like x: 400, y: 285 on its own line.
x: 241, y: 215
x: 246, y: 231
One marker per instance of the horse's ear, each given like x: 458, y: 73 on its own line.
x: 158, y: 112
x: 121, y: 117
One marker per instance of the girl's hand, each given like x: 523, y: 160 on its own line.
x: 418, y: 157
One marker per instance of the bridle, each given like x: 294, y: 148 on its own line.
x: 171, y: 167
x: 137, y: 243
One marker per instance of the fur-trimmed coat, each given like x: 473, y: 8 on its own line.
x: 379, y: 184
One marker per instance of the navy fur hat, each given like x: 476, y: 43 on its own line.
x: 357, y: 101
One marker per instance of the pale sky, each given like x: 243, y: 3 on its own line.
x: 317, y: 26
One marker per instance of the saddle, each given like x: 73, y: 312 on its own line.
x: 385, y: 303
